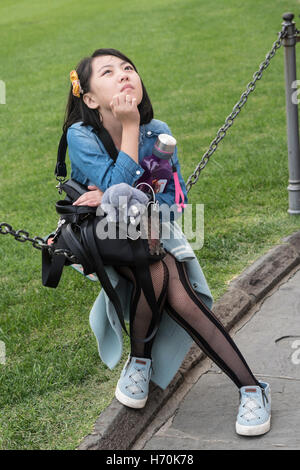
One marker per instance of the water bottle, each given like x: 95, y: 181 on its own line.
x: 159, y: 168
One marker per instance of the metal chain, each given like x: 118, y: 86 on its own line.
x: 236, y: 110
x: 38, y: 242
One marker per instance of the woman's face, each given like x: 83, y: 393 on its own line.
x: 109, y: 75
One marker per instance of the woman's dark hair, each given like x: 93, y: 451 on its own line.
x: 77, y: 110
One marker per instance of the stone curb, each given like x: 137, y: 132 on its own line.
x: 118, y: 426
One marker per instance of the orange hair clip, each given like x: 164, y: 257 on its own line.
x: 76, y: 83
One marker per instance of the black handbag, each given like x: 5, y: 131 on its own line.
x: 77, y: 232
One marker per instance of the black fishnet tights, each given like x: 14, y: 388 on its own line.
x: 141, y: 322
x: 175, y: 294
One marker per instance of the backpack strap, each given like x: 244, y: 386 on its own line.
x: 107, y: 141
x: 105, y: 137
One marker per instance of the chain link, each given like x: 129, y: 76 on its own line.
x: 37, y: 242
x: 236, y: 110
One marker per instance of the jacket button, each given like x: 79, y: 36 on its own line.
x: 138, y: 172
x: 195, y: 284
x: 149, y: 132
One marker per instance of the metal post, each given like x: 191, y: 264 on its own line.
x: 289, y: 43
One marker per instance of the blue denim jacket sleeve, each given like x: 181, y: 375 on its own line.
x: 86, y: 155
x: 168, y: 197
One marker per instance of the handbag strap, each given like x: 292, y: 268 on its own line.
x: 52, y: 266
x: 104, y: 136
x: 91, y: 246
x: 143, y: 277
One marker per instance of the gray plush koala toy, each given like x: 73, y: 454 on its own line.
x: 121, y: 201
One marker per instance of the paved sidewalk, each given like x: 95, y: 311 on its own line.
x: 204, y: 418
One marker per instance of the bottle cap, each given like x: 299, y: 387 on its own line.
x: 164, y: 146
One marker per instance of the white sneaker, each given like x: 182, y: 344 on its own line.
x: 133, y: 384
x: 254, y: 415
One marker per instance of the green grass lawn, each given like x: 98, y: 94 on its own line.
x: 195, y: 59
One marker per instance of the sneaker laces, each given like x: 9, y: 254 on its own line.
x: 250, y: 405
x: 136, y: 378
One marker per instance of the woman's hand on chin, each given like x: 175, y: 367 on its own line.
x: 91, y: 198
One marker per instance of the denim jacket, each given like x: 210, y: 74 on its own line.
x: 92, y: 165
